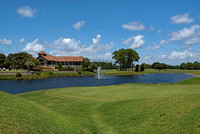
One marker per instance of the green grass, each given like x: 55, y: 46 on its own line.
x: 147, y: 71
x: 126, y: 108
x: 18, y: 115
x: 45, y: 75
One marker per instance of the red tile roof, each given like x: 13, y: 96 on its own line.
x: 60, y: 58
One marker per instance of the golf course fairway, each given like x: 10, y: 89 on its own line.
x: 117, y: 109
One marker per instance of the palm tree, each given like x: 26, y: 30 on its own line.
x: 30, y: 63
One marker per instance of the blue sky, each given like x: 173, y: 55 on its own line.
x: 159, y: 30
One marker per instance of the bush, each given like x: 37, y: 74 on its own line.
x: 48, y: 73
x: 18, y: 75
x: 80, y: 72
x: 88, y: 69
x: 70, y: 69
x: 59, y: 66
x: 37, y: 73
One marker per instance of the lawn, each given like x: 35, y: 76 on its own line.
x: 117, y: 109
x: 121, y: 109
x: 147, y: 71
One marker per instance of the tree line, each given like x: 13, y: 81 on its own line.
x: 21, y: 60
x: 188, y: 65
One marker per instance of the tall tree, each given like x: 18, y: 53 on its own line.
x: 30, y: 63
x: 86, y: 62
x: 125, y: 58
x: 2, y: 59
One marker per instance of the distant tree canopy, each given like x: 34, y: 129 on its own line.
x: 2, y: 59
x: 160, y: 66
x: 125, y: 58
x: 105, y: 65
x: 18, y: 60
x: 189, y: 65
x: 86, y: 62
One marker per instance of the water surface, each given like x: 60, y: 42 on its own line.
x: 21, y: 86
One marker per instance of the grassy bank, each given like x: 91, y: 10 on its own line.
x: 126, y: 108
x: 18, y: 115
x: 45, y: 75
x: 147, y: 71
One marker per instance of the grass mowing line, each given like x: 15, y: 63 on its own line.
x: 95, y: 116
x: 127, y: 108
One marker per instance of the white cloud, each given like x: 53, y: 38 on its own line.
x: 134, y: 41
x: 34, y: 47
x: 22, y: 40
x: 97, y: 39
x: 146, y: 57
x: 27, y: 11
x: 163, y: 56
x: 192, y: 41
x: 108, y: 56
x: 182, y: 18
x: 159, y: 31
x: 70, y: 46
x: 181, y: 55
x: 79, y: 24
x: 5, y: 41
x: 184, y: 33
x: 151, y: 27
x: 134, y: 26
x: 162, y: 42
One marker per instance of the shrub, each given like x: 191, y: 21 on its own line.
x: 59, y: 66
x: 37, y: 73
x: 80, y: 72
x: 18, y: 75
x: 66, y: 69
x: 70, y: 69
x: 48, y: 73
x: 88, y: 69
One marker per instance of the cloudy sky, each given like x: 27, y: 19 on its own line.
x: 159, y: 30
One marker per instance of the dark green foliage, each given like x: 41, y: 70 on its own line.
x: 38, y: 73
x: 2, y: 59
x: 59, y: 66
x: 88, y: 69
x: 137, y: 68
x: 31, y: 63
x: 106, y: 65
x: 66, y: 69
x: 79, y: 72
x: 160, y: 66
x: 48, y: 73
x: 86, y: 62
x: 93, y: 66
x: 125, y: 58
x: 18, y: 75
x: 190, y: 66
x: 147, y: 66
x: 70, y: 69
x: 183, y: 66
x: 142, y: 67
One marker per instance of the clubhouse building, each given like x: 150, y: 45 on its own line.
x: 50, y: 61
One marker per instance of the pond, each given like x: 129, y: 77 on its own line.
x: 21, y: 86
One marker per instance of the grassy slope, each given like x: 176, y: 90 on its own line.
x: 127, y: 108
x: 115, y: 72
x: 18, y: 115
